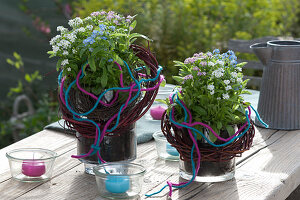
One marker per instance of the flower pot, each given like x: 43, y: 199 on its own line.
x: 213, y: 166
x: 116, y: 146
x: 209, y: 171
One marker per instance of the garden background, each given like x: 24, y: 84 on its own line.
x: 179, y: 28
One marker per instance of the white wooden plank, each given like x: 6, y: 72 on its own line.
x: 75, y: 184
x: 270, y: 173
x: 281, y: 159
x: 261, y: 140
x: 158, y: 171
x: 262, y: 135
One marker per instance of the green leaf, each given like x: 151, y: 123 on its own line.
x: 17, y: 56
x: 82, y: 52
x: 241, y: 64
x: 118, y: 59
x: 51, y: 55
x: 179, y: 64
x: 96, y: 50
x: 36, y: 75
x: 138, y: 35
x: 104, y: 78
x: 200, y: 111
x: 118, y: 35
x: 84, y: 70
x: 132, y: 25
x: 212, y: 137
x: 9, y: 61
x: 230, y: 130
x: 133, y: 40
x: 246, y: 92
x: 178, y: 79
x: 17, y: 89
x: 163, y: 83
x: 122, y: 47
x: 96, y: 91
x: 102, y: 63
x: 58, y: 64
x: 235, y: 107
x: 164, y: 101
x: 219, y: 125
x: 28, y: 78
x: 109, y: 68
x: 199, y: 136
x: 92, y: 63
x: 98, y: 80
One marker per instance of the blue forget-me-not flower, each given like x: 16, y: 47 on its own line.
x: 112, y: 28
x: 102, y: 27
x: 216, y: 51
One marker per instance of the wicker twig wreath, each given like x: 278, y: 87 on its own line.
x: 82, y: 102
x: 180, y: 139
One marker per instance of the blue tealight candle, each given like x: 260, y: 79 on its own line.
x: 171, y: 150
x: 117, y: 184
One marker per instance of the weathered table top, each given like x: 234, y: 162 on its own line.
x: 270, y: 170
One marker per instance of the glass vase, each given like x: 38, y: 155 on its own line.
x: 208, y: 171
x: 115, y: 147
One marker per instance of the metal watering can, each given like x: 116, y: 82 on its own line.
x: 279, y: 99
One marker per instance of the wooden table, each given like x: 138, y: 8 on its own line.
x: 270, y: 170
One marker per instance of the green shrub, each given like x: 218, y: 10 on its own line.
x: 45, y: 105
x: 181, y: 27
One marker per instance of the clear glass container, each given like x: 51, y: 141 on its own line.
x: 119, y: 180
x: 208, y: 171
x: 164, y: 148
x: 115, y: 147
x: 31, y: 164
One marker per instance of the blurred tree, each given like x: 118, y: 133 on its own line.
x: 180, y: 28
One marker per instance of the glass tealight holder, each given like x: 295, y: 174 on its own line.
x: 164, y: 148
x: 31, y: 164
x: 119, y: 180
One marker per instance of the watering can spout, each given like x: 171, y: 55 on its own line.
x: 262, y: 51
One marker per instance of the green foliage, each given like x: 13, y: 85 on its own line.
x: 46, y: 113
x: 30, y: 78
x: 24, y: 85
x: 181, y: 27
x: 6, y: 136
x: 45, y: 106
x: 18, y: 63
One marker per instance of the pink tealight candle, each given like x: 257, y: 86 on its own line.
x: 33, y: 168
x: 157, y: 112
